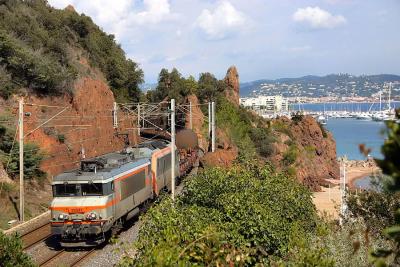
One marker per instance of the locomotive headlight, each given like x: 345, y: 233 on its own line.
x: 92, y: 216
x: 63, y: 217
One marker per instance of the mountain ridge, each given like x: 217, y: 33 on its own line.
x: 247, y: 88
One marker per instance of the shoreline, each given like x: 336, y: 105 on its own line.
x: 327, y: 201
x: 356, y: 173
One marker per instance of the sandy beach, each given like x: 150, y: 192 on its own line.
x: 328, y: 200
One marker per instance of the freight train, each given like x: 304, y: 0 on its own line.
x: 106, y: 191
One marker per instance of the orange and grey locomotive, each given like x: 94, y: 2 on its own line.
x: 108, y: 190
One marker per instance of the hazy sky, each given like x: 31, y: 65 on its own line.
x: 263, y: 38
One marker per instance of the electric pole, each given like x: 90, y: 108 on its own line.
x: 138, y: 119
x: 343, y: 189
x: 190, y: 116
x: 115, y: 118
x: 173, y: 149
x: 21, y: 158
x: 213, y: 127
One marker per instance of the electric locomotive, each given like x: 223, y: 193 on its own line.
x: 108, y: 190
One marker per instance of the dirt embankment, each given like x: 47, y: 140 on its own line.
x: 307, y: 149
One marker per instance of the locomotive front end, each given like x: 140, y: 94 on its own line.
x: 81, y: 210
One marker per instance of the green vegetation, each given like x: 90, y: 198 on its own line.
x: 40, y: 48
x: 32, y: 156
x: 298, y: 117
x: 390, y: 166
x: 323, y: 130
x: 11, y: 254
x: 209, y: 87
x: 172, y: 85
x: 241, y: 216
x: 290, y: 156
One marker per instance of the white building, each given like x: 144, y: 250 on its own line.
x: 265, y: 103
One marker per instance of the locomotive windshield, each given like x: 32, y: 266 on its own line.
x: 73, y: 190
x: 92, y: 189
x: 66, y: 190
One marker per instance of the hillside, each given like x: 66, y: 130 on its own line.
x: 334, y: 85
x: 42, y: 51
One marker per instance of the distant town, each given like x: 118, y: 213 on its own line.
x: 330, y: 88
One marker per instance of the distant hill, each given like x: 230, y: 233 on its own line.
x: 317, y: 86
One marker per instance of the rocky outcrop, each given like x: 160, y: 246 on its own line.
x: 314, y: 149
x: 232, y: 85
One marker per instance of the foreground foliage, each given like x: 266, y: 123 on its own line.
x: 11, y: 253
x: 242, y: 216
x: 390, y: 166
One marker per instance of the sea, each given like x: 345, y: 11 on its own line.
x: 349, y: 133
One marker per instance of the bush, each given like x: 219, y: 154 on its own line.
x: 61, y: 138
x: 11, y: 254
x: 376, y: 208
x: 263, y: 141
x: 7, y: 188
x: 245, y: 214
x: 297, y: 117
x: 32, y: 156
x: 290, y: 156
x: 323, y: 130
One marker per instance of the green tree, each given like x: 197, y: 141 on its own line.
x: 32, y: 156
x: 208, y: 87
x: 172, y: 85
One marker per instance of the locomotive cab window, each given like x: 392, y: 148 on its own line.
x: 92, y: 189
x: 66, y: 190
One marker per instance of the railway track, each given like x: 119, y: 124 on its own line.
x: 66, y: 258
x: 36, y: 236
x: 45, y: 255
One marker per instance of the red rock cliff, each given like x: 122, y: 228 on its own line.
x: 314, y: 149
x: 86, y: 124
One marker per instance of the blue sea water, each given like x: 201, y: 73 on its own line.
x: 350, y: 133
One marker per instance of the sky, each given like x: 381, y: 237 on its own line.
x: 264, y: 39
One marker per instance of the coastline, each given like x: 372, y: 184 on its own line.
x: 355, y: 173
x: 328, y: 200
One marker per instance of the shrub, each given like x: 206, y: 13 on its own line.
x: 297, y: 117
x: 11, y: 253
x: 7, y: 187
x: 61, y: 138
x: 290, y: 156
x: 376, y: 208
x: 263, y: 141
x: 323, y: 130
x: 243, y: 215
x: 32, y: 156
